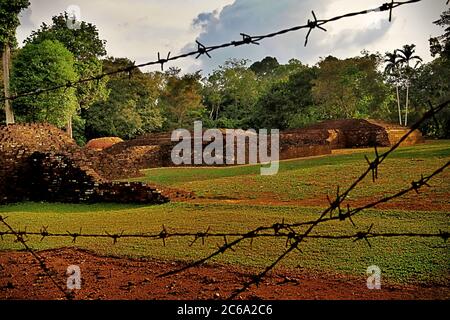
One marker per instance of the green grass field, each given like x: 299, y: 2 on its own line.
x: 402, y: 259
x: 309, y: 178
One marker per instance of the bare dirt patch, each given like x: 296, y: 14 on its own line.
x: 109, y: 278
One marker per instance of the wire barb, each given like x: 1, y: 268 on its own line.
x: 364, y: 235
x: 164, y: 235
x: 115, y: 236
x: 163, y: 61
x: 373, y: 165
x: 75, y: 235
x: 44, y: 232
x: 278, y: 230
x: 312, y: 24
x: 246, y: 39
x: 388, y: 6
x: 202, y: 50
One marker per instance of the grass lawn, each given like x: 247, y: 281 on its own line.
x: 311, y: 178
x: 402, y: 259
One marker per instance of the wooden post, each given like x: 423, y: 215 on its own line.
x: 8, y: 108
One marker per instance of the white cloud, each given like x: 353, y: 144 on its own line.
x: 138, y: 29
x: 344, y: 38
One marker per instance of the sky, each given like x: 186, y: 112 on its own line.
x: 139, y: 29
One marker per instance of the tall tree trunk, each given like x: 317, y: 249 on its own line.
x: 399, y: 108
x: 217, y: 112
x: 8, y: 108
x: 69, y: 129
x: 407, y: 105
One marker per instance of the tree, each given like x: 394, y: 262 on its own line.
x: 181, y: 99
x: 351, y: 88
x: 431, y: 82
x: 406, y: 56
x: 392, y: 71
x: 431, y: 85
x: 9, y: 21
x: 441, y: 45
x: 265, y: 67
x: 87, y: 47
x: 44, y: 65
x: 287, y: 103
x: 132, y: 106
x: 231, y: 93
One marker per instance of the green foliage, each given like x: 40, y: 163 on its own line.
x: 441, y: 45
x: 265, y: 95
x: 87, y: 47
x: 44, y: 65
x: 79, y: 127
x: 270, y: 95
x: 83, y: 42
x: 265, y: 67
x: 230, y: 94
x: 431, y: 84
x: 351, y: 88
x: 131, y: 108
x: 181, y: 99
x: 9, y: 20
x: 2, y: 94
x: 287, y: 100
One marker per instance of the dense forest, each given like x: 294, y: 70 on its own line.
x: 396, y: 86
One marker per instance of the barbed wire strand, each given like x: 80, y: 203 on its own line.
x: 48, y: 272
x: 164, y: 234
x: 46, y: 234
x: 206, y: 50
x: 334, y: 205
x: 294, y: 237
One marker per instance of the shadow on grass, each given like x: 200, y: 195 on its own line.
x: 171, y: 176
x: 36, y: 207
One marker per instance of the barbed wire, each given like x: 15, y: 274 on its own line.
x: 289, y: 232
x: 44, y: 233
x: 48, y: 272
x: 278, y: 230
x: 164, y: 234
x: 335, y: 205
x: 203, y: 50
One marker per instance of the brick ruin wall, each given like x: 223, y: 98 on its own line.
x: 40, y: 162
x: 356, y: 133
x: 152, y: 151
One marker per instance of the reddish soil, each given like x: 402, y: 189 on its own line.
x: 117, y: 278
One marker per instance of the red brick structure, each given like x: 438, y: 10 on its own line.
x: 40, y: 162
x: 102, y: 143
x: 357, y: 133
x: 154, y: 150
